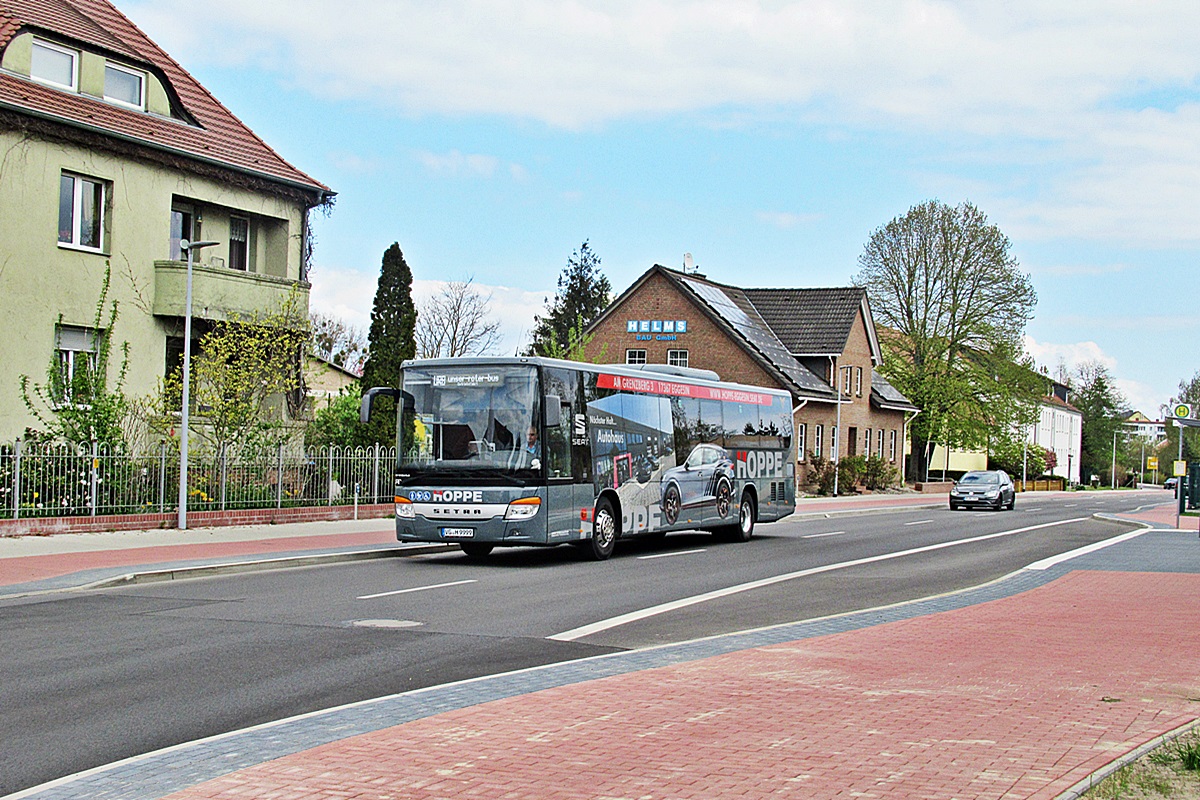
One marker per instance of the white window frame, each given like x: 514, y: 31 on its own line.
x: 78, y: 182
x: 141, y: 76
x: 675, y: 359
x: 819, y: 440
x: 867, y: 447
x: 73, y: 86
x: 892, y: 447
x: 632, y: 356
x: 75, y: 347
x: 802, y: 436
x: 879, y: 450
x: 833, y: 442
x: 858, y: 381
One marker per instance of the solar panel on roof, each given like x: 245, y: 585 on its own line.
x: 757, y: 333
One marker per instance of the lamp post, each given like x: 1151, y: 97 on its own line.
x: 190, y: 247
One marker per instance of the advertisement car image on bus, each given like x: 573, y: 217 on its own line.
x: 535, y: 451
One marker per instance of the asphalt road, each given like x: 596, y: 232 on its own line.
x: 90, y: 678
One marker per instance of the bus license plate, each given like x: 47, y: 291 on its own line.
x: 458, y: 533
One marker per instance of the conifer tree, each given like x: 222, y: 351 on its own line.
x: 390, y: 341
x: 583, y: 292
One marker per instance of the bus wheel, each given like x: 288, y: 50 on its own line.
x: 744, y: 529
x: 605, y: 530
x: 671, y: 504
x: 476, y: 550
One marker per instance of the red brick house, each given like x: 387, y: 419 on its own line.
x: 811, y: 342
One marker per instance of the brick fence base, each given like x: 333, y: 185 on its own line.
x: 42, y: 526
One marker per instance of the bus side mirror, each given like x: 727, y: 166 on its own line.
x: 552, y: 404
x: 364, y: 410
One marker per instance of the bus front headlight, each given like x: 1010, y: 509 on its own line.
x: 524, y: 508
x: 405, y: 508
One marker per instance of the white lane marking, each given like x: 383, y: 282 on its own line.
x: 819, y: 535
x: 415, y: 589
x: 668, y: 555
x: 674, y: 605
x: 919, y: 522
x: 1071, y: 505
x: 1047, y: 563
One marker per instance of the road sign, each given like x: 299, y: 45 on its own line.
x: 1182, y: 410
x: 1180, y: 469
x: 1151, y: 462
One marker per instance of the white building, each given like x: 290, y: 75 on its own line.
x: 1060, y: 430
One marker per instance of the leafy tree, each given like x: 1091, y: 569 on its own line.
x: 78, y: 404
x: 336, y: 425
x: 241, y: 371
x: 338, y: 342
x: 390, y: 342
x: 1016, y: 457
x: 1094, y: 394
x: 456, y: 322
x: 583, y: 292
x: 954, y: 305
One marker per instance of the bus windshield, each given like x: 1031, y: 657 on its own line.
x: 471, y: 421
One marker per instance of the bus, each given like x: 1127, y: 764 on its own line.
x: 495, y: 452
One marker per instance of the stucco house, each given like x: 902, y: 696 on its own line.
x: 110, y: 155
x: 819, y: 344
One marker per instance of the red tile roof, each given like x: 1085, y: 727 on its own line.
x: 218, y: 137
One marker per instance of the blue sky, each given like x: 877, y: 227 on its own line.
x: 768, y: 139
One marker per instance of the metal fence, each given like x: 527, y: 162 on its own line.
x: 56, y: 480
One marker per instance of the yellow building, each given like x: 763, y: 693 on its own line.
x: 111, y: 154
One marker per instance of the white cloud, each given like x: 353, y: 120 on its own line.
x: 1100, y: 95
x: 1050, y: 355
x: 457, y: 163
x: 786, y: 219
x: 1141, y: 397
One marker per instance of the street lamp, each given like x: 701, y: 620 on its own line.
x: 190, y: 247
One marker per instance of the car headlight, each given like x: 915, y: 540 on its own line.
x: 524, y: 508
x: 992, y: 493
x: 405, y: 508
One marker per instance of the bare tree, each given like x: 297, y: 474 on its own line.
x: 456, y: 322
x: 338, y: 342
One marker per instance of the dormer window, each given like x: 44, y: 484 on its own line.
x: 124, y: 86
x: 55, y: 65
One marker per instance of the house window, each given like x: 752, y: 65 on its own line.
x: 802, y: 440
x: 81, y: 212
x: 677, y: 358
x: 184, y: 225
x: 892, y: 446
x: 635, y: 356
x: 858, y: 381
x: 76, y: 351
x: 239, y: 243
x: 124, y: 86
x: 879, y: 449
x: 846, y: 380
x: 867, y: 444
x: 54, y: 65
x: 819, y: 440
x: 833, y: 443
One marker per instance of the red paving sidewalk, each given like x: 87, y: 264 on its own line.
x: 1016, y: 698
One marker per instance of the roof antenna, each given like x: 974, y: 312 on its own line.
x: 689, y: 266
